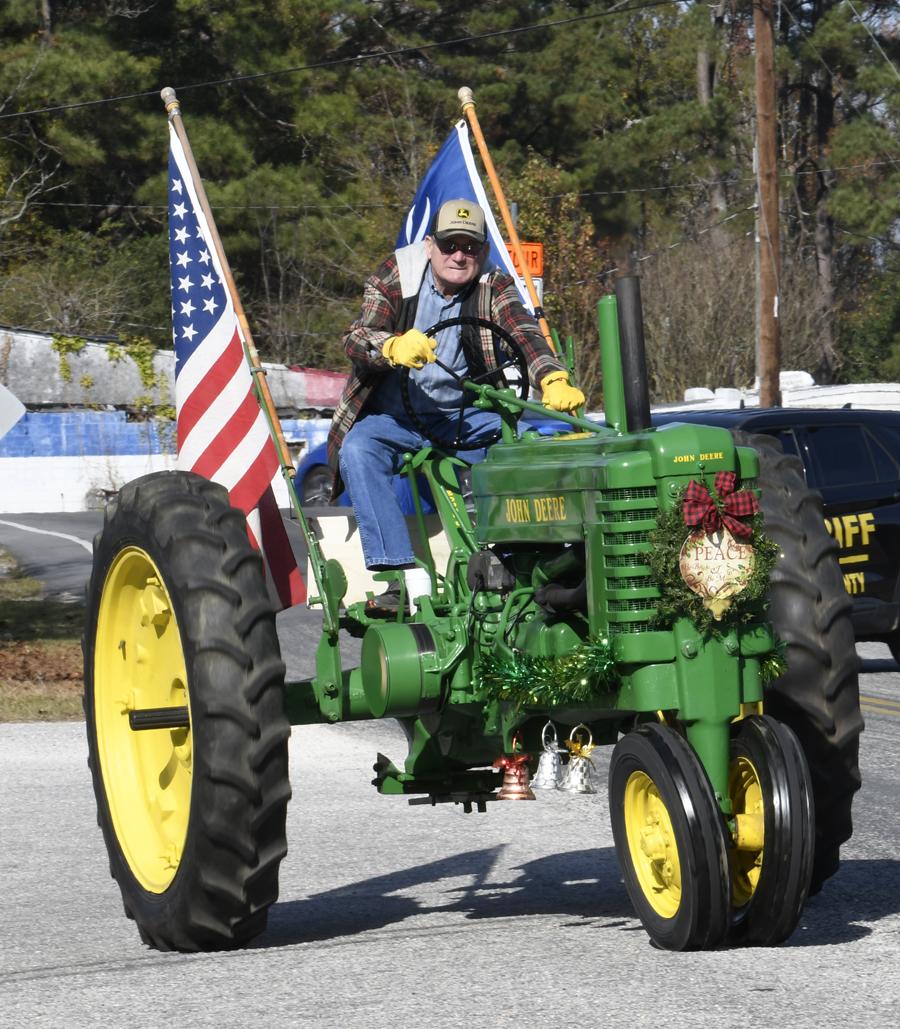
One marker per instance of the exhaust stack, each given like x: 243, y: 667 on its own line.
x: 636, y: 386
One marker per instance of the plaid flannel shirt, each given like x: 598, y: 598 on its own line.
x: 497, y: 299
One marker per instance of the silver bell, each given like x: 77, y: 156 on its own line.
x: 578, y: 771
x: 549, y: 769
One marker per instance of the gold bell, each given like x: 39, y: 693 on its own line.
x: 549, y: 769
x: 578, y: 771
x: 516, y: 777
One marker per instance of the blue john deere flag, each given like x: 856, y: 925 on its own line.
x: 453, y: 176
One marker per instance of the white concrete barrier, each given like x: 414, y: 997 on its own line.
x: 339, y: 538
x: 43, y: 484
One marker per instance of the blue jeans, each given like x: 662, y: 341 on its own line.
x: 372, y: 454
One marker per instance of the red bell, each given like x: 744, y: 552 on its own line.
x: 516, y: 777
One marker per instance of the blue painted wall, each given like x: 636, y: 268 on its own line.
x: 80, y: 433
x: 83, y: 433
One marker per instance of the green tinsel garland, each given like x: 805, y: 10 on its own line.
x: 677, y: 600
x: 586, y: 674
x: 774, y: 664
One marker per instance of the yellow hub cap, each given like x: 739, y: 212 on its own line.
x: 651, y: 842
x: 749, y: 835
x: 139, y: 664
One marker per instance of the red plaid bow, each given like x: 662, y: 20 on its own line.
x: 700, y: 509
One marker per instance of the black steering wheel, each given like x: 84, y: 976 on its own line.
x: 516, y: 361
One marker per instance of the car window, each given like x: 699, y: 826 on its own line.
x: 885, y: 465
x: 843, y: 455
x: 786, y: 438
x: 889, y: 437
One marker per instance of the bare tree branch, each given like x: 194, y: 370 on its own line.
x: 125, y: 9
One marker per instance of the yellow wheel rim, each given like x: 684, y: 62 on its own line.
x: 139, y: 664
x: 749, y: 836
x: 651, y: 843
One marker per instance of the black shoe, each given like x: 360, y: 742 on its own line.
x: 388, y: 603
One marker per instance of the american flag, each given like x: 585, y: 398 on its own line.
x: 222, y: 431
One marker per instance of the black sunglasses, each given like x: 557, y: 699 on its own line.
x: 447, y: 247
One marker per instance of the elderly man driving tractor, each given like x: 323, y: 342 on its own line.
x: 446, y: 278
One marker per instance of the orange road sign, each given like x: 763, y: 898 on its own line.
x: 534, y: 256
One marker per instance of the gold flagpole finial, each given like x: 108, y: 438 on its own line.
x: 169, y: 98
x: 466, y: 97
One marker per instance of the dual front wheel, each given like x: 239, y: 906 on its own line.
x: 693, y: 876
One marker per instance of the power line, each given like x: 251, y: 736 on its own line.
x: 874, y: 40
x: 404, y: 204
x: 839, y: 84
x: 381, y: 54
x: 655, y: 253
x: 215, y: 207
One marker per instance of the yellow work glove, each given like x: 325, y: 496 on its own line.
x: 558, y: 394
x: 411, y: 350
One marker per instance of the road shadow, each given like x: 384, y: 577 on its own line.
x: 584, y: 885
x: 862, y: 893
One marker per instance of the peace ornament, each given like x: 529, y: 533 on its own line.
x: 717, y: 560
x: 716, y: 567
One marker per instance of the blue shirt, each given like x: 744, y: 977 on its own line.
x: 431, y: 389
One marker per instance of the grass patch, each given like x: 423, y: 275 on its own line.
x: 40, y: 651
x: 41, y: 701
x: 20, y: 588
x: 40, y: 680
x: 14, y: 583
x: 24, y: 621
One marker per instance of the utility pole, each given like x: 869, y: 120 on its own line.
x: 768, y: 343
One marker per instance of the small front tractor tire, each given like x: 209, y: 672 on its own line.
x: 772, y: 858
x: 818, y: 697
x: 180, y: 639
x: 670, y: 839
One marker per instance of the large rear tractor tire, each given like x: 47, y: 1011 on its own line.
x: 818, y: 697
x: 186, y: 720
x: 670, y: 839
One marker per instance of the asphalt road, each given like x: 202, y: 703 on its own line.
x: 57, y: 549
x: 54, y: 548
x: 398, y: 916
x: 393, y: 915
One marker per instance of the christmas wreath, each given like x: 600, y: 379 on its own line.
x: 711, y: 557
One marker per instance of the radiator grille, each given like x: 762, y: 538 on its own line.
x: 637, y: 560
x: 631, y: 493
x: 644, y: 514
x: 638, y: 582
x: 626, y: 539
x: 617, y: 627
x: 638, y: 604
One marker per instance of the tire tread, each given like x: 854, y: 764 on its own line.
x: 818, y: 697
x: 228, y: 877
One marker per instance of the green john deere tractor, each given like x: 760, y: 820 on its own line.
x: 617, y: 578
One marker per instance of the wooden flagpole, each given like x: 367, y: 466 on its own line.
x: 173, y: 109
x: 317, y: 561
x: 468, y: 105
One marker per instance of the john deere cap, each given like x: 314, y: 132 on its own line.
x: 459, y: 218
